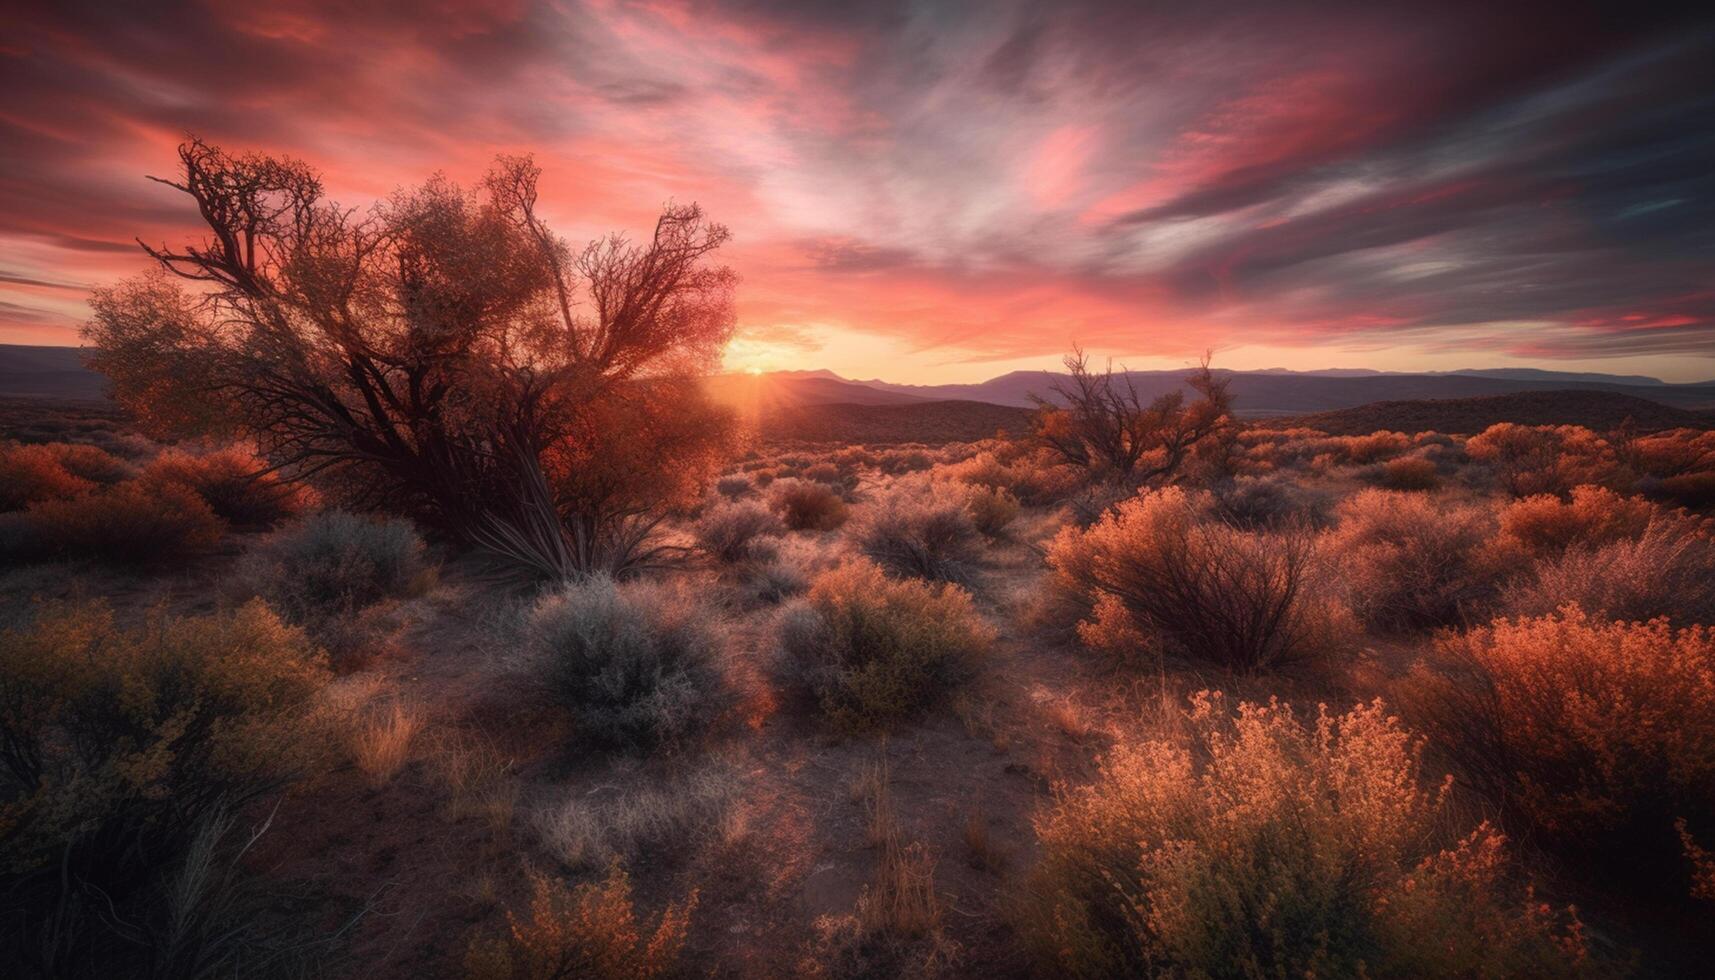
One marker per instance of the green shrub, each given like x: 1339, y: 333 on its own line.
x: 1263, y: 846
x: 635, y: 663
x: 334, y: 564
x: 874, y: 650
x: 123, y: 751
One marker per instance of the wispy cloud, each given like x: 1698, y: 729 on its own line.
x: 985, y: 181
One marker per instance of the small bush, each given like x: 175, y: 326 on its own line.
x: 635, y: 663
x: 738, y: 532
x: 1158, y: 569
x: 333, y: 564
x: 910, y: 532
x: 1597, y: 735
x: 591, y: 931
x: 135, y: 522
x: 1270, y: 502
x: 992, y: 509
x: 1414, y: 562
x: 1409, y: 473
x: 1269, y: 847
x: 874, y: 650
x: 733, y: 487
x: 807, y: 506
x: 1544, y: 525
x: 32, y: 474
x: 233, y: 482
x: 1668, y: 571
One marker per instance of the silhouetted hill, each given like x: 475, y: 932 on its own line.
x: 1599, y: 410
x: 1263, y: 393
x: 926, y: 422
x: 48, y: 372
x: 753, y: 392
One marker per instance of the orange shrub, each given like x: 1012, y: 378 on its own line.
x: 1412, y: 561
x: 1598, y: 736
x: 1158, y: 566
x: 135, y: 522
x: 807, y: 506
x: 1544, y: 524
x: 1544, y: 459
x: 90, y: 462
x: 1409, y: 473
x: 30, y: 474
x: 1371, y: 448
x: 991, y: 509
x: 1668, y: 570
x: 233, y: 482
x: 1265, y: 846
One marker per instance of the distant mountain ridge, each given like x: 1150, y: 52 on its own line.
x: 58, y: 372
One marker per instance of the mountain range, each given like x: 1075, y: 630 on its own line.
x: 59, y: 372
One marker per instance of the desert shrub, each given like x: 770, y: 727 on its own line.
x: 635, y: 663
x: 1668, y: 570
x: 737, y: 532
x: 991, y: 509
x: 90, y: 462
x: 1412, y: 561
x: 1597, y: 735
x: 1694, y: 490
x: 234, y: 483
x: 1160, y: 569
x: 1271, y: 501
x: 333, y: 564
x: 897, y: 462
x: 1408, y: 473
x: 733, y: 487
x: 1373, y: 448
x: 1035, y: 478
x: 31, y: 474
x: 135, y: 522
x: 827, y: 473
x: 912, y: 532
x: 591, y: 930
x: 1543, y: 459
x: 125, y: 752
x: 807, y: 506
x: 1545, y: 525
x: 1265, y: 846
x: 874, y: 650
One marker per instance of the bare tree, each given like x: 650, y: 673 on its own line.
x: 1105, y: 426
x: 441, y: 354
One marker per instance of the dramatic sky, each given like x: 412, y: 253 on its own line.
x: 937, y: 191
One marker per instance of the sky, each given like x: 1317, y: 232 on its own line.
x: 942, y: 192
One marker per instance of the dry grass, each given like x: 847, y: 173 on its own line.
x: 591, y: 930
x: 592, y: 828
x: 382, y: 739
